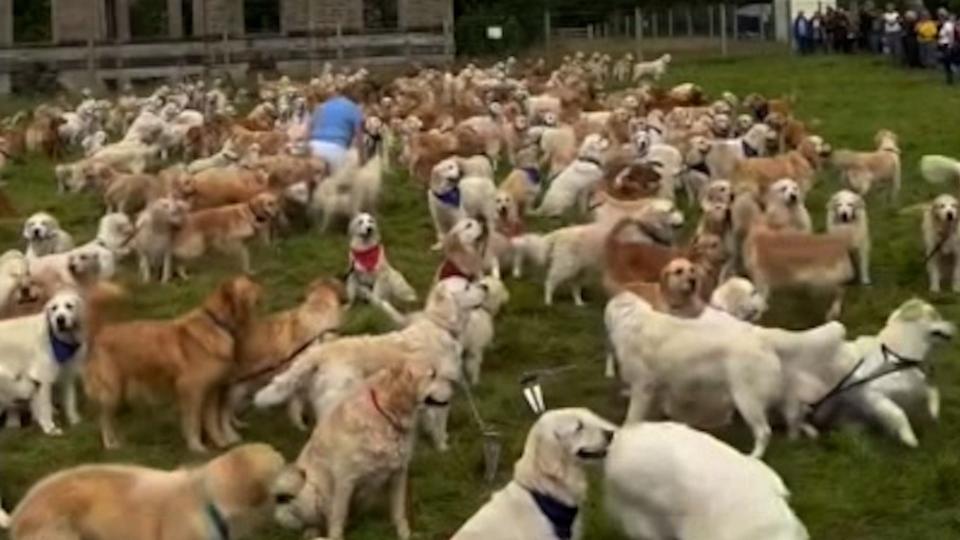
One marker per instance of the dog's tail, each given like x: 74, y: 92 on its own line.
x: 533, y: 247
x: 286, y: 384
x: 843, y: 159
x: 939, y: 169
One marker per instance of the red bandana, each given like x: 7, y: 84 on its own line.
x: 450, y: 269
x: 366, y: 260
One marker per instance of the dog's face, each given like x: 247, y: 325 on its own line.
x: 507, y: 211
x: 468, y: 232
x: 722, y: 123
x: 235, y: 300
x: 886, y: 140
x: 253, y: 480
x: 496, y: 294
x: 84, y: 264
x: 945, y: 210
x: 740, y: 298
x: 699, y: 148
x: 363, y: 228
x: 786, y: 192
x: 447, y: 172
x: 744, y: 123
x: 40, y: 226
x: 710, y: 248
x: 452, y: 299
x: 170, y: 211
x: 563, y: 436
x: 65, y: 312
x: 265, y: 206
x: 846, y: 207
x: 921, y: 323
x: 680, y: 278
x: 594, y: 146
x: 819, y: 146
x: 641, y: 142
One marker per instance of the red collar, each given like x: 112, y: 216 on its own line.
x: 390, y: 420
x: 450, y: 269
x: 366, y: 260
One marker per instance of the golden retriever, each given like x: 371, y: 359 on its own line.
x: 678, y: 292
x: 194, y: 356
x: 801, y: 165
x: 941, y: 238
x: 862, y: 170
x: 222, y: 186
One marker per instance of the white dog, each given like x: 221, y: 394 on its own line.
x: 47, y: 349
x: 574, y: 184
x: 226, y: 157
x: 44, y: 236
x: 479, y: 333
x: 654, y: 70
x: 549, y: 486
x: 785, y: 207
x: 847, y: 214
x: 352, y: 189
x: 666, y: 481
x: 369, y: 267
x: 97, y: 259
x: 453, y: 196
x: 941, y: 238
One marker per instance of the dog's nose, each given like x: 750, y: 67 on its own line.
x: 608, y: 435
x: 61, y: 321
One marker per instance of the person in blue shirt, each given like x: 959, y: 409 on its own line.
x: 336, y: 126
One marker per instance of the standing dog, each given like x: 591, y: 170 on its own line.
x: 862, y: 170
x: 847, y: 215
x: 577, y: 180
x: 480, y: 327
x: 941, y: 238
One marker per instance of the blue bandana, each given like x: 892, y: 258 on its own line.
x: 533, y: 174
x: 451, y: 197
x: 63, y: 351
x: 560, y: 516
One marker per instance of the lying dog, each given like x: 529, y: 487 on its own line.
x: 665, y: 480
x: 549, y: 485
x: 847, y: 215
x: 369, y: 267
x: 136, y: 503
x: 862, y: 170
x: 44, y: 236
x: 941, y: 239
x: 364, y: 444
x: 192, y: 356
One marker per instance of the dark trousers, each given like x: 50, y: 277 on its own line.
x: 947, y: 61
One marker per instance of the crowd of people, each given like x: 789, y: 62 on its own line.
x: 913, y: 38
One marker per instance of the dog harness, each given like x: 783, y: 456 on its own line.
x: 533, y: 174
x: 366, y: 260
x: 748, y: 150
x: 63, y: 351
x: 221, y: 529
x: 560, y: 516
x: 451, y: 197
x: 390, y: 420
x: 450, y: 269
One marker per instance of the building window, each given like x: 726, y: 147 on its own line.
x: 380, y: 14
x: 32, y: 21
x: 261, y: 16
x: 148, y: 18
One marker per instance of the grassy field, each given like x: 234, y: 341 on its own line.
x: 847, y: 486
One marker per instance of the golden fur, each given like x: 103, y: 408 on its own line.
x: 801, y: 165
x: 222, y: 186
x: 862, y: 170
x: 678, y: 292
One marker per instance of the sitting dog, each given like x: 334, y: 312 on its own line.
x: 665, y: 480
x: 525, y: 182
x: 192, y: 356
x: 44, y: 236
x: 941, y: 239
x: 549, y: 485
x: 861, y: 170
x: 577, y: 180
x: 454, y: 196
x: 465, y: 252
x: 365, y: 443
x: 847, y: 215
x: 369, y: 267
x: 135, y: 503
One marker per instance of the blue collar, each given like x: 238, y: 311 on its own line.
x: 560, y: 516
x: 451, y: 197
x: 220, y: 526
x: 748, y: 150
x: 63, y: 351
x: 533, y: 174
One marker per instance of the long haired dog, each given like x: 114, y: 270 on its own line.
x: 678, y: 291
x: 465, y: 252
x: 862, y: 170
x: 691, y: 473
x: 525, y: 182
x: 363, y: 446
x: 135, y: 503
x: 192, y: 356
x: 801, y: 165
x: 941, y: 239
x: 355, y: 187
x: 784, y: 207
x: 654, y: 70
x: 327, y: 370
x: 509, y: 225
x: 847, y: 215
x: 574, y: 184
x: 549, y: 484
x: 369, y: 267
x: 44, y: 236
x: 454, y: 196
x: 156, y: 228
x: 479, y: 333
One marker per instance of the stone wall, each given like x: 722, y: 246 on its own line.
x: 424, y: 13
x: 222, y: 16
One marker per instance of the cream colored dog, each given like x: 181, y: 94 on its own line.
x: 941, y: 238
x: 785, y: 208
x: 223, y: 499
x: 847, y: 215
x: 654, y: 70
x: 549, y: 485
x: 479, y: 332
x: 665, y: 480
x: 575, y: 183
x: 862, y: 170
x: 369, y: 266
x: 44, y: 236
x: 453, y: 196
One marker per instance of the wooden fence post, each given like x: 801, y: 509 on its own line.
x: 638, y: 28
x: 723, y: 29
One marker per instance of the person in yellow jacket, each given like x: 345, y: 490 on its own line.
x: 927, y: 32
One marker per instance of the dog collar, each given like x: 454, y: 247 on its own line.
x: 748, y: 150
x: 63, y: 351
x: 217, y: 322
x: 366, y: 260
x: 390, y: 420
x: 700, y: 168
x: 450, y: 269
x: 560, y: 515
x: 221, y: 529
x: 588, y: 159
x: 451, y: 197
x: 533, y: 174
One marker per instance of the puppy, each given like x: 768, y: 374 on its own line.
x: 135, y: 503
x: 364, y: 444
x: 47, y: 349
x: 369, y: 267
x: 577, y: 180
x: 665, y: 480
x: 784, y: 207
x: 192, y: 356
x: 941, y: 238
x: 678, y: 292
x: 465, y: 253
x: 847, y: 214
x: 861, y: 170
x: 226, y: 229
x: 479, y: 333
x: 549, y: 485
x: 44, y: 236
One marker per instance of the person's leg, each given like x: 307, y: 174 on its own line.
x: 333, y: 154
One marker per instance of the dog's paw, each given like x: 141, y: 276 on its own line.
x: 53, y: 431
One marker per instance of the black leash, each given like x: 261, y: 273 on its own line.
x: 899, y: 364
x: 937, y: 248
x: 288, y: 359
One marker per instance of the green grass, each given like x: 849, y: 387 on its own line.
x: 847, y: 486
